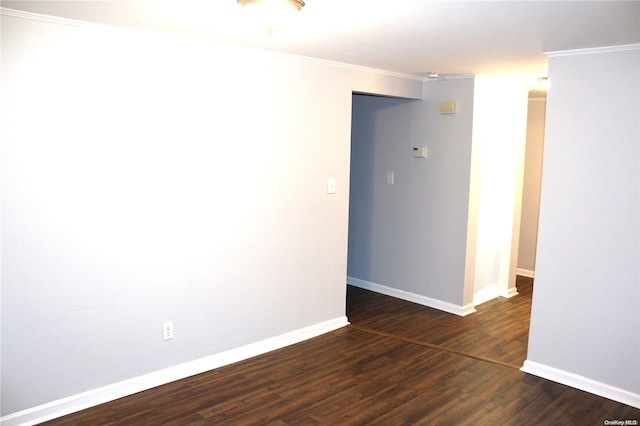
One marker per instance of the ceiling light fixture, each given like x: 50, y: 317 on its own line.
x: 271, y: 15
x: 432, y: 74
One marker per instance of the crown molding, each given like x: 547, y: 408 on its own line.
x: 59, y: 20
x: 450, y: 77
x: 593, y: 50
x: 114, y: 28
x: 352, y: 66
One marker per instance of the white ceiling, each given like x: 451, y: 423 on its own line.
x: 406, y: 36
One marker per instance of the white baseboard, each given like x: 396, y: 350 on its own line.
x: 491, y: 292
x: 508, y: 293
x: 485, y: 294
x: 114, y: 391
x: 412, y: 297
x: 525, y: 273
x: 582, y: 383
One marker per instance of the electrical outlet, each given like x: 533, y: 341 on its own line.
x: 167, y: 330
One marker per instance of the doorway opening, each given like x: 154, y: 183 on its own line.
x: 531, y: 184
x: 377, y: 262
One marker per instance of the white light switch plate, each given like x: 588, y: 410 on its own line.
x: 331, y: 186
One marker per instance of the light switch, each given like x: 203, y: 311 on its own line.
x: 331, y: 186
x: 390, y: 178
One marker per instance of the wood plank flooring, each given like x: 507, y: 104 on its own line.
x: 498, y: 331
x: 398, y: 364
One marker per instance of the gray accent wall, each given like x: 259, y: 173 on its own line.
x: 148, y: 178
x: 412, y: 235
x: 585, y: 318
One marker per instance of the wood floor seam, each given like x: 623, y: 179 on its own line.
x: 433, y: 346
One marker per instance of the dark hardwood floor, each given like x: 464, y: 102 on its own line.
x: 397, y: 364
x: 498, y: 331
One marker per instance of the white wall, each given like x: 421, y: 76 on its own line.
x: 531, y: 186
x: 499, y: 136
x: 585, y: 321
x: 411, y: 236
x: 149, y: 178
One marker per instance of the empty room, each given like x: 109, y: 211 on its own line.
x: 212, y: 213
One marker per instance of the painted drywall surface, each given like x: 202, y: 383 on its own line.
x: 149, y: 178
x: 385, y: 82
x: 585, y: 318
x: 411, y: 235
x: 531, y: 185
x: 499, y: 135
